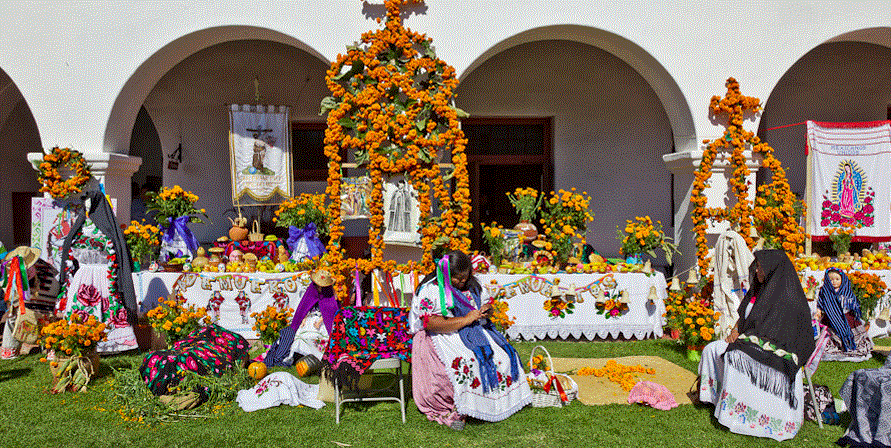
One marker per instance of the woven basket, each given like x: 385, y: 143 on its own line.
x: 542, y: 399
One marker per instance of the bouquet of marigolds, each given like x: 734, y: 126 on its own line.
x: 564, y: 217
x: 698, y: 328
x: 268, y: 322
x: 499, y: 317
x: 869, y: 289
x: 841, y: 237
x: 143, y: 240
x: 70, y: 341
x: 676, y: 310
x: 175, y: 320
x: 643, y: 236
x: 526, y: 202
x: 174, y: 203
x: 302, y: 210
x: 494, y: 237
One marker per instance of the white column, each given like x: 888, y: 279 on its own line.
x: 718, y: 193
x: 113, y: 171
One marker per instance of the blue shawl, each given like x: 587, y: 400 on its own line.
x: 830, y: 302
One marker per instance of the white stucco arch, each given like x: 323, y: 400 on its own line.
x: 664, y: 85
x: 128, y: 101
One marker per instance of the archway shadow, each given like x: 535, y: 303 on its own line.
x: 13, y: 374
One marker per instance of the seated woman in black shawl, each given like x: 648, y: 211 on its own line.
x: 754, y: 376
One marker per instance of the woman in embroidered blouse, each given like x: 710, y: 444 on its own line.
x: 839, y: 309
x: 461, y: 366
x: 753, y: 377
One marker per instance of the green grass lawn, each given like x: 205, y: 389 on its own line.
x: 31, y: 417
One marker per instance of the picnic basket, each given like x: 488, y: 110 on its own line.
x: 547, y: 387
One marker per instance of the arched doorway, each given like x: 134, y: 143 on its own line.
x: 18, y: 137
x: 609, y: 126
x: 184, y: 90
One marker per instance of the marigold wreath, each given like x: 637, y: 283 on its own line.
x: 51, y: 177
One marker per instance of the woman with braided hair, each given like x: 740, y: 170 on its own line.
x: 461, y: 366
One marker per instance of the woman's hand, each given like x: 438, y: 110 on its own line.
x: 439, y: 324
x: 734, y: 334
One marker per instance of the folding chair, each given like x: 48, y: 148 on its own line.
x: 358, y: 395
x: 380, y: 330
x: 813, y: 362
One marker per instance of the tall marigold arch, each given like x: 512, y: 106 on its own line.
x: 772, y: 213
x: 392, y: 104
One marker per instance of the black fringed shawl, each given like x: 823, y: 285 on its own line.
x: 103, y: 216
x: 780, y: 319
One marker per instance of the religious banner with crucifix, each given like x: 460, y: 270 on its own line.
x: 260, y: 152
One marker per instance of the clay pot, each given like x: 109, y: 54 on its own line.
x: 530, y: 232
x: 238, y: 233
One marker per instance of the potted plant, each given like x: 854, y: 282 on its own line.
x: 869, y: 289
x: 71, y: 350
x: 174, y: 208
x: 306, y: 220
x: 174, y: 320
x: 526, y: 202
x: 143, y: 242
x: 643, y: 236
x: 269, y: 322
x: 564, y: 217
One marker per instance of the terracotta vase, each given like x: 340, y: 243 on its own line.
x: 530, y: 232
x: 694, y: 353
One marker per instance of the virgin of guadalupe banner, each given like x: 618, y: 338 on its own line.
x: 260, y: 151
x: 850, y: 181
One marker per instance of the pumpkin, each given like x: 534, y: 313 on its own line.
x: 257, y: 370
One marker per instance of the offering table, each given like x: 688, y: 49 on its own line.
x: 527, y: 294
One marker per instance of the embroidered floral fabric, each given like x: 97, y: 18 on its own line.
x: 207, y: 350
x: 362, y: 335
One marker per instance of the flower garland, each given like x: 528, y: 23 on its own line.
x: 392, y: 104
x: 773, y: 211
x: 51, y: 178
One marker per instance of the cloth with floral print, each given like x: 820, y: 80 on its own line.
x: 276, y: 389
x: 207, y: 350
x: 508, y: 395
x: 361, y: 335
x: 92, y: 288
x: 743, y: 407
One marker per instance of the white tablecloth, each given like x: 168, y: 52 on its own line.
x: 877, y: 327
x: 198, y: 289
x: 526, y: 294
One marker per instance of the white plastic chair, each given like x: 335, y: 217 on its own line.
x: 810, y: 367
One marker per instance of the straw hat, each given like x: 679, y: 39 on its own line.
x: 322, y: 278
x: 29, y: 254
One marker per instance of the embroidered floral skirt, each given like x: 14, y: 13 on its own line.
x: 743, y: 407
x: 444, y: 391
